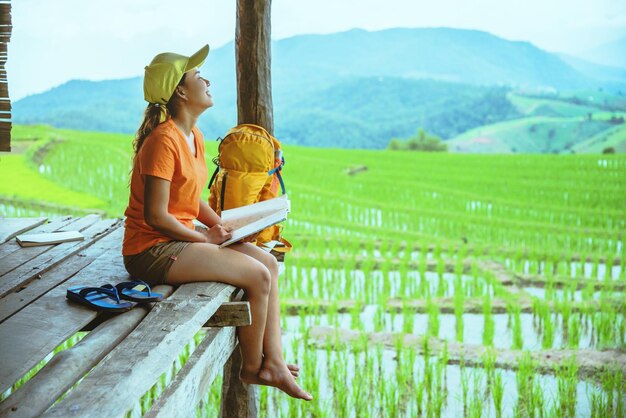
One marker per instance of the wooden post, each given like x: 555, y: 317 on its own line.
x: 254, y: 105
x: 253, y: 51
x: 5, y: 102
x: 239, y: 400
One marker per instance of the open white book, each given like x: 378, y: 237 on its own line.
x: 32, y: 240
x: 248, y: 220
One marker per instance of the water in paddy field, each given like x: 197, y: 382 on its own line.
x: 328, y: 284
x: 559, y: 294
x: 373, y: 287
x: 11, y: 211
x: 338, y: 374
x: 8, y: 210
x: 473, y: 327
x: 321, y: 230
x: 577, y: 267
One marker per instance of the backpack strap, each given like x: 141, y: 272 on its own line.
x: 276, y: 170
x: 223, y: 193
x: 217, y: 169
x: 280, y: 179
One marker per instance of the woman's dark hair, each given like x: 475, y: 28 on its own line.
x: 151, y: 118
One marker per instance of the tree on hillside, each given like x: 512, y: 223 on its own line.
x: 396, y: 145
x: 422, y: 141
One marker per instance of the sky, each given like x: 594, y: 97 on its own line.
x: 54, y: 41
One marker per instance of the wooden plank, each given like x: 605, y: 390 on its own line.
x: 28, y: 271
x: 193, y: 381
x: 10, y: 227
x: 254, y: 75
x: 31, y: 334
x: 19, y: 255
x: 23, y: 255
x: 231, y: 314
x: 117, y: 383
x: 238, y: 398
x: 14, y: 302
x: 12, y: 245
x: 69, y: 366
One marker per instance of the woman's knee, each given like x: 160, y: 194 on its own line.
x: 261, y: 281
x: 272, y: 265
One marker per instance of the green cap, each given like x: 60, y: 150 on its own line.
x: 165, y: 72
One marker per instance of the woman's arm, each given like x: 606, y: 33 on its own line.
x: 207, y: 215
x: 156, y: 199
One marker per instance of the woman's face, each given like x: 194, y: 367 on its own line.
x: 196, y: 89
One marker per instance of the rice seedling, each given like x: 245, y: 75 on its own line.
x: 547, y: 339
x: 497, y: 391
x: 526, y: 398
x: 408, y: 318
x: 475, y: 409
x: 518, y: 340
x: 433, y: 318
x: 489, y: 327
x: 464, y: 387
x: 573, y: 331
x: 567, y: 380
x: 459, y: 298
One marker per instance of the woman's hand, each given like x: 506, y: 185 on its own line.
x: 216, y: 234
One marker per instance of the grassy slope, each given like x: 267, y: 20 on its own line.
x: 80, y: 169
x: 614, y: 137
x: 535, y: 106
x: 550, y: 126
x: 37, y: 183
x: 34, y: 186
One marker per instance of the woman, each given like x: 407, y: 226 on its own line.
x: 161, y: 244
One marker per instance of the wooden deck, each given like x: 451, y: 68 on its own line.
x: 123, y: 355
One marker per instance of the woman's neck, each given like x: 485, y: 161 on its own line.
x: 185, y: 121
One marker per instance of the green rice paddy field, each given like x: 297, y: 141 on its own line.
x: 419, y: 284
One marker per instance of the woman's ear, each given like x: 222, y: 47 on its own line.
x: 180, y: 92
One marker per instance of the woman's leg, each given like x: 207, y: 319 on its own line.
x: 200, y: 262
x: 274, y: 371
x: 207, y: 262
x: 272, y: 342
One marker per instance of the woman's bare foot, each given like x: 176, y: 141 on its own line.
x: 278, y: 376
x: 294, y: 369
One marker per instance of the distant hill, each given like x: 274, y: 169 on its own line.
x: 550, y: 125
x: 350, y: 89
x: 465, y: 56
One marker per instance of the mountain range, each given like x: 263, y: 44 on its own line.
x: 354, y: 89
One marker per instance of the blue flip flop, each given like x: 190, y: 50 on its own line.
x: 98, y: 298
x: 137, y: 291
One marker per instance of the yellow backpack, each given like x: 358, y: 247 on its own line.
x: 248, y: 171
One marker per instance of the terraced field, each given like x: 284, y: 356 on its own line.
x: 419, y: 284
x: 559, y: 125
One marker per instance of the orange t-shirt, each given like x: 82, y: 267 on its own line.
x: 165, y: 154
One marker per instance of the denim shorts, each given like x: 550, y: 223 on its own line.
x: 152, y: 264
